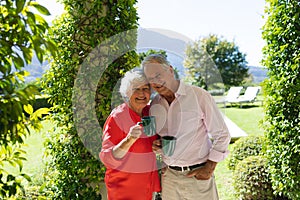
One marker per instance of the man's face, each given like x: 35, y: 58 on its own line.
x: 159, y: 77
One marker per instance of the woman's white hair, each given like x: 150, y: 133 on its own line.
x: 132, y: 78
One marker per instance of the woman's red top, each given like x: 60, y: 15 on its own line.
x: 135, y: 176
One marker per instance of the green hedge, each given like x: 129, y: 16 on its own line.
x: 282, y: 120
x: 243, y: 148
x: 251, y: 179
x: 75, y: 172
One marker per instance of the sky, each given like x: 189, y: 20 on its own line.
x: 237, y: 21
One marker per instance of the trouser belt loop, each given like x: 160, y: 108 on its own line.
x: 187, y: 168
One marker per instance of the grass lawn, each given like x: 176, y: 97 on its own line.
x: 247, y: 118
x: 34, y: 148
x: 35, y: 152
x: 224, y: 182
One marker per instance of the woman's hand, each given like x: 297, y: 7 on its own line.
x: 134, y: 132
x: 121, y: 149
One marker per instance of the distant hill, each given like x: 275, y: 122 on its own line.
x: 258, y: 73
x: 36, y: 69
x: 173, y: 43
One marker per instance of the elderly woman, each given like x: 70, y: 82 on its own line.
x: 131, y: 171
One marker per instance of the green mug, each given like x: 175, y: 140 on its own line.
x: 149, y: 125
x: 168, y: 144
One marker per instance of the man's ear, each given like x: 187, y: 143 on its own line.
x: 171, y: 69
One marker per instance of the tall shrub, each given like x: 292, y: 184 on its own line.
x: 282, y: 58
x: 74, y: 171
x: 23, y: 33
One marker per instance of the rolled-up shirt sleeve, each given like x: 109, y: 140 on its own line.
x: 218, y: 131
x: 112, y: 135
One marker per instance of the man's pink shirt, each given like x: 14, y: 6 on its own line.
x: 194, y: 118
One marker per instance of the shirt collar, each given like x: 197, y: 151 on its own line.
x: 181, y: 89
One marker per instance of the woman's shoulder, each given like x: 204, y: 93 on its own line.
x: 119, y: 110
x: 117, y: 115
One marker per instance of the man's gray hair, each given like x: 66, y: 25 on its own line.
x: 135, y: 76
x: 156, y: 58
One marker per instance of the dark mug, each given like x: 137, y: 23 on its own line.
x: 168, y: 144
x: 149, y: 125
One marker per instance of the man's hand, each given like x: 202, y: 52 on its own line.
x: 156, y: 146
x: 205, y: 172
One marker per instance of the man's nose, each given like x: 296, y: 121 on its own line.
x: 156, y: 81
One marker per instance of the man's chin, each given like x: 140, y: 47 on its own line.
x: 161, y: 90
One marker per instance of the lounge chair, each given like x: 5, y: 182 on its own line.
x: 248, y: 97
x: 232, y: 95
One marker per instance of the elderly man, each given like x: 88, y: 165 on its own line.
x: 190, y: 114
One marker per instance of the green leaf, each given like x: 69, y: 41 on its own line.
x: 40, y: 8
x: 40, y: 112
x: 40, y: 20
x: 28, y: 109
x: 38, y: 50
x: 42, y: 187
x: 21, y: 75
x: 31, y: 91
x: 27, y: 54
x: 4, y: 11
x: 31, y: 17
x: 20, y: 163
x: 18, y: 61
x: 22, y: 158
x: 26, y: 177
x: 20, y: 5
x: 51, y: 46
x: 10, y: 178
x: 41, y: 27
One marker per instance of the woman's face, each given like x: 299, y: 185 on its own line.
x: 140, y: 96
